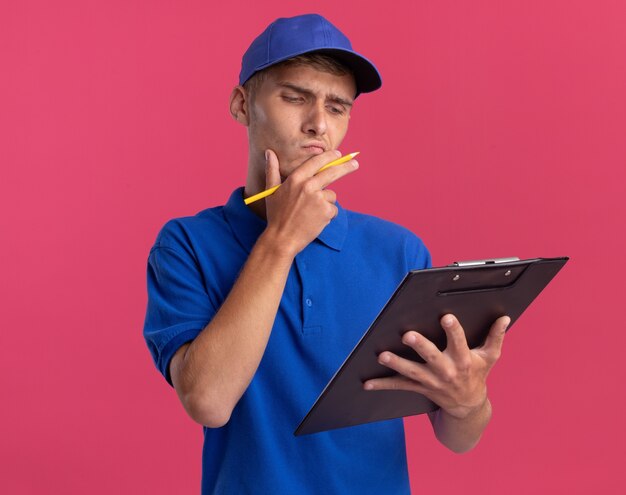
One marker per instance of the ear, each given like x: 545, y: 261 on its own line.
x: 239, y: 105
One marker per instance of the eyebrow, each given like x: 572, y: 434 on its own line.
x: 331, y: 96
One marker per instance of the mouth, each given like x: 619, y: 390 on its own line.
x: 314, y: 148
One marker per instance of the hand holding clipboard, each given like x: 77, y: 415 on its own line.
x: 477, y: 293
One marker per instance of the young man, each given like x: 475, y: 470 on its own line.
x: 252, y: 309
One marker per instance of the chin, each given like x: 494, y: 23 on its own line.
x: 293, y: 165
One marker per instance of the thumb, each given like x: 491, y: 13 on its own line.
x: 272, y: 172
x: 492, y: 348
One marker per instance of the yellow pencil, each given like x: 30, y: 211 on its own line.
x: 272, y: 190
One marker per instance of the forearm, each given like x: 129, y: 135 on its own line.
x: 461, y: 434
x: 211, y: 373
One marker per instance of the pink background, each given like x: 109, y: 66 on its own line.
x: 499, y: 131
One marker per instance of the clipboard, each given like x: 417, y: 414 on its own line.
x: 476, y: 292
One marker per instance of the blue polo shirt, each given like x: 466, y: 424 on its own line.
x: 335, y: 288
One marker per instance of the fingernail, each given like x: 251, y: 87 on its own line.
x: 267, y: 156
x: 368, y: 386
x: 337, y: 152
x: 410, y: 339
x: 506, y: 325
x: 355, y: 164
x: 448, y: 321
x: 384, y: 358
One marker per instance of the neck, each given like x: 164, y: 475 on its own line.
x: 255, y: 183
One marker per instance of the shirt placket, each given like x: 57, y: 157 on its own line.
x: 311, y: 296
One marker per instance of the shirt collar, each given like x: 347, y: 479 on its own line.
x: 247, y: 226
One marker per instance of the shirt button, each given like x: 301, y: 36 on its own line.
x: 309, y: 303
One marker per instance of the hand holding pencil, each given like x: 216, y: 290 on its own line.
x: 272, y: 190
x: 305, y: 204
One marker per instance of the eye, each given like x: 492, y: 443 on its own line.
x: 336, y: 109
x: 292, y: 98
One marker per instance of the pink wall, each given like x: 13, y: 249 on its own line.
x: 499, y: 131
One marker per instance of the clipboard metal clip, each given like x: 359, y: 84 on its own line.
x: 491, y: 261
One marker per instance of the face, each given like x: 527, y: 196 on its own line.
x: 298, y: 112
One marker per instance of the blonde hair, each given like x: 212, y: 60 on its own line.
x: 319, y: 61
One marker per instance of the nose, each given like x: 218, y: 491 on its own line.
x: 315, y: 120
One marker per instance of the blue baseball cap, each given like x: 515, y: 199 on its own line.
x: 289, y: 37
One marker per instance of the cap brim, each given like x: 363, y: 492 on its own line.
x: 366, y: 75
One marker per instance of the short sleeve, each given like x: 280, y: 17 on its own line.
x: 178, y: 306
x: 416, y: 254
